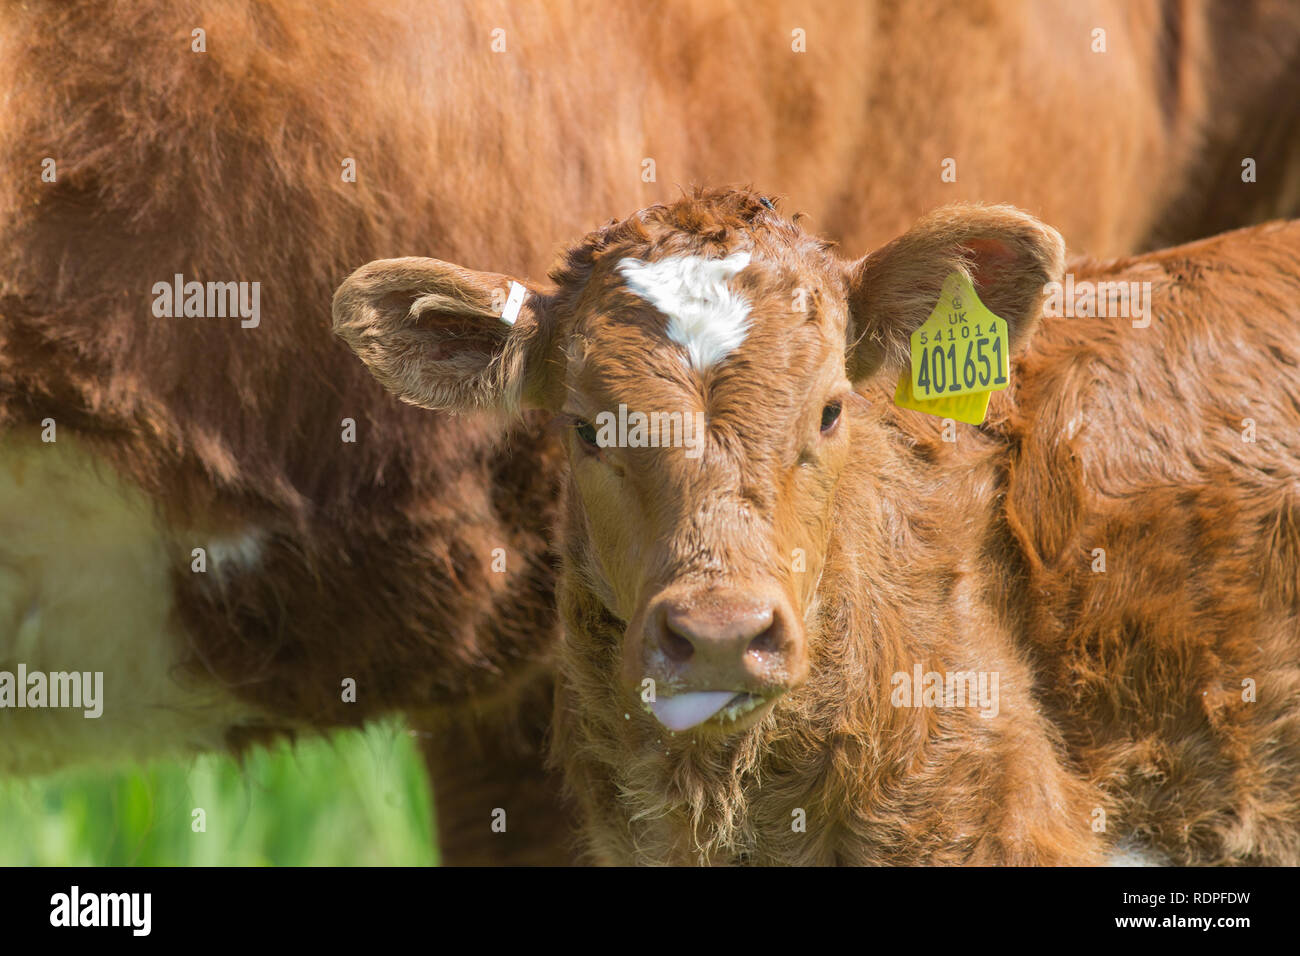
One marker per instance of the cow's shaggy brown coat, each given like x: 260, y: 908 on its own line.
x: 1151, y: 699
x: 375, y: 557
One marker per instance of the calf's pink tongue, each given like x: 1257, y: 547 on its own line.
x: 686, y: 710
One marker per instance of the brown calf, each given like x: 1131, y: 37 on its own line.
x: 817, y: 631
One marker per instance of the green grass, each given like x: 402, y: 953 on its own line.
x: 358, y: 798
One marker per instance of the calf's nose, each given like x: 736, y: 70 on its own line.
x: 723, y: 640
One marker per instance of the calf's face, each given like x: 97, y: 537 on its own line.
x: 703, y: 358
x: 707, y: 538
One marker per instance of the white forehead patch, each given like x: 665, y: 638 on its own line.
x: 705, y: 316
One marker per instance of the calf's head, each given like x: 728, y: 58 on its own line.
x: 703, y: 357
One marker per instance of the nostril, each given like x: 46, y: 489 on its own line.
x: 676, y: 647
x: 767, y: 642
x: 714, y: 634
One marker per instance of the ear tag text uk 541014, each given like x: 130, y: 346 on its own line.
x: 960, y: 355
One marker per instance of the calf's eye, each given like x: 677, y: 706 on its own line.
x: 586, y: 433
x: 830, y: 415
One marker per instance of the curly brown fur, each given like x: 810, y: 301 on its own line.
x: 980, y: 555
x: 1121, y: 713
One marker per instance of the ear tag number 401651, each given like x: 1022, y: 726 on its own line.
x: 959, y: 356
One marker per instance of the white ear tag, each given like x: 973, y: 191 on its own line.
x: 514, y: 302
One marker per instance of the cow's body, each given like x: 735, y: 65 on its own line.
x: 1174, y: 672
x: 374, y: 560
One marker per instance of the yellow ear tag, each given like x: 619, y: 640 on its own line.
x: 970, y: 409
x: 960, y: 354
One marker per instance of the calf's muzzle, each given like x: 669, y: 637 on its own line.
x: 718, y: 652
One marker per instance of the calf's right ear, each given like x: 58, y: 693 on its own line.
x: 447, y: 338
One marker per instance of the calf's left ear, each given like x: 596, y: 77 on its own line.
x: 1007, y: 254
x: 448, y: 338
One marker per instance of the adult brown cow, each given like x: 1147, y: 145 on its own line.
x: 804, y: 626
x: 269, y: 148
